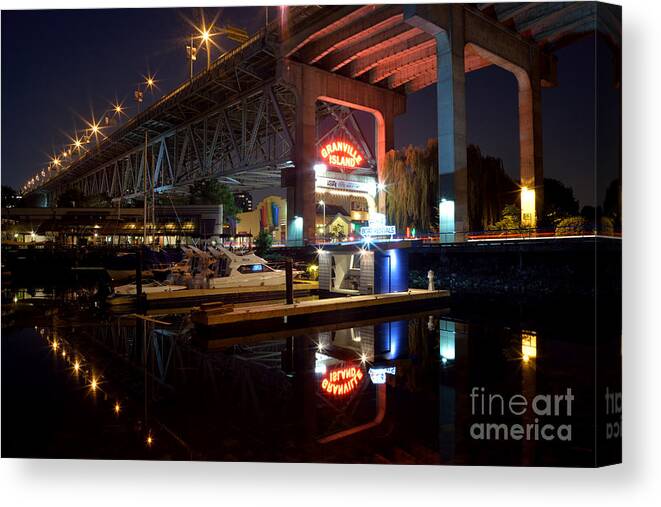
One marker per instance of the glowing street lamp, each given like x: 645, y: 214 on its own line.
x: 528, y: 214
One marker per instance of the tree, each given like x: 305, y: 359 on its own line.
x: 70, y: 198
x: 413, y: 172
x: 559, y: 202
x: 97, y: 201
x: 212, y: 192
x: 9, y: 197
x: 613, y: 202
x: 263, y: 243
x: 573, y: 225
x: 490, y: 189
x: 510, y: 219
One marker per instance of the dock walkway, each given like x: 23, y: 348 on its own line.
x: 315, y: 308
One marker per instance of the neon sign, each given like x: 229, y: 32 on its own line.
x: 342, y: 381
x: 341, y: 154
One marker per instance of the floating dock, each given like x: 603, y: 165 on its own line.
x: 317, y: 310
x: 197, y: 297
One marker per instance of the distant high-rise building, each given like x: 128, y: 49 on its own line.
x: 243, y: 201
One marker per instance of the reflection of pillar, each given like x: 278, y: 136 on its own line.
x: 304, y: 386
x: 528, y: 390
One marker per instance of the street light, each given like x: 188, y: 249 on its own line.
x: 206, y: 38
x: 323, y: 206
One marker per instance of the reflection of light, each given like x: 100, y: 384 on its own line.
x: 528, y: 345
x: 378, y: 375
x: 447, y: 340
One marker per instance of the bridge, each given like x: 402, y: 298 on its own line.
x: 251, y: 118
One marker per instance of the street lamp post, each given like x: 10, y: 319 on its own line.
x: 191, y: 52
x: 323, y: 208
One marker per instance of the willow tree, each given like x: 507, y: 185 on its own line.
x: 412, y: 177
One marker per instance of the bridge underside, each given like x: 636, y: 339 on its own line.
x: 250, y: 119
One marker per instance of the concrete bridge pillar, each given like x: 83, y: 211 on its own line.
x: 446, y: 24
x: 458, y: 30
x: 311, y: 84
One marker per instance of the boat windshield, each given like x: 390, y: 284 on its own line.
x: 246, y: 269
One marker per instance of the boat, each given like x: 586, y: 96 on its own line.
x: 247, y: 270
x: 149, y: 286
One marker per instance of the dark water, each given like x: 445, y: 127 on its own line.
x: 431, y: 388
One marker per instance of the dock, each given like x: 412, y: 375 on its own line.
x: 197, y: 297
x: 316, y: 310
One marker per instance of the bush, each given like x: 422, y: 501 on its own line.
x: 573, y: 225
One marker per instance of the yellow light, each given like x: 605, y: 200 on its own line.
x: 528, y: 345
x: 55, y: 345
x: 206, y: 35
x: 150, y: 440
x: 528, y: 214
x: 95, y: 128
x: 76, y: 366
x: 363, y: 358
x: 94, y: 384
x: 118, y: 108
x: 117, y: 408
x: 64, y: 354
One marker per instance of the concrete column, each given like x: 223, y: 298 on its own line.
x: 304, y: 206
x: 530, y: 134
x: 446, y: 24
x: 310, y: 85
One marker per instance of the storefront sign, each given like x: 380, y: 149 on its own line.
x: 341, y: 154
x: 377, y: 226
x: 342, y: 381
x: 366, y: 187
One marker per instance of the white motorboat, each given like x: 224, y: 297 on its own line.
x: 248, y: 270
x: 149, y: 286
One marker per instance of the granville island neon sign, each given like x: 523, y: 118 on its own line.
x: 341, y: 154
x: 342, y: 381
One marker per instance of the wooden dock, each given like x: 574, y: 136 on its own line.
x: 314, y: 310
x: 197, y: 297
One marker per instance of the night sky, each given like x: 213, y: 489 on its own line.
x: 61, y: 66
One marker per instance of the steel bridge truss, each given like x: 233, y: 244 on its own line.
x: 245, y: 143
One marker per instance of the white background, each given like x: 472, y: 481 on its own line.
x: 636, y: 482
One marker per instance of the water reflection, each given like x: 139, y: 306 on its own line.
x: 378, y: 391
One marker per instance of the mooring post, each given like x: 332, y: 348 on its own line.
x: 289, y: 280
x: 138, y: 277
x: 430, y: 276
